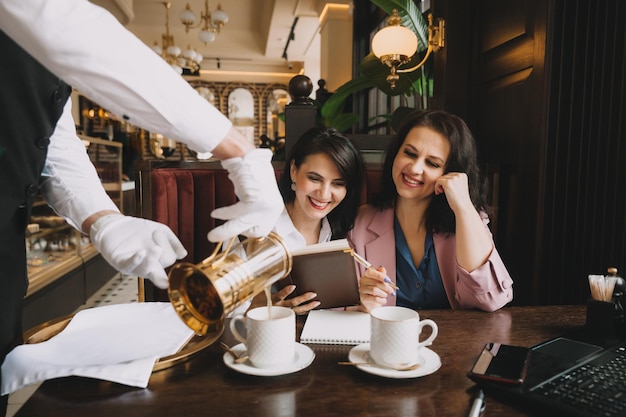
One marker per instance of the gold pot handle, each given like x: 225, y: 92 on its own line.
x: 217, y: 257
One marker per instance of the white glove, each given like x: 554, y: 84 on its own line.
x: 136, y: 246
x: 260, y: 203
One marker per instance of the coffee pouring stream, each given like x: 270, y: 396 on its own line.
x: 205, y: 293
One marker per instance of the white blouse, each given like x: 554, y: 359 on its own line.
x: 293, y: 239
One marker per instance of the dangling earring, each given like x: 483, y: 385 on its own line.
x: 293, y: 186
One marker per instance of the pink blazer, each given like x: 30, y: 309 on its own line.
x: 488, y: 288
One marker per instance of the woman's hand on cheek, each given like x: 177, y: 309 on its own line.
x: 373, y: 290
x: 455, y: 186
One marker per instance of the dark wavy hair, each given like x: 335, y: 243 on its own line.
x: 463, y: 158
x: 348, y: 161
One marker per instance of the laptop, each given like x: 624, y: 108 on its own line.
x: 569, y: 377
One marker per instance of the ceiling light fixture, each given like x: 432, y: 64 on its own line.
x: 395, y: 44
x: 213, y: 22
x: 179, y: 60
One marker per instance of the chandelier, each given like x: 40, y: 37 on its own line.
x: 179, y: 60
x: 213, y: 22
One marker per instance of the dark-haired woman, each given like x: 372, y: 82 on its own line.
x: 427, y: 228
x: 321, y: 189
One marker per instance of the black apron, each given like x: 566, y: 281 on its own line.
x: 31, y: 102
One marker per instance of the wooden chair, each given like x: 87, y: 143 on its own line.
x: 181, y: 195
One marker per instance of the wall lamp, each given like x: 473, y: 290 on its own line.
x: 395, y: 44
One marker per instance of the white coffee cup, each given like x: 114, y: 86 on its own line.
x: 270, y: 342
x: 395, y: 333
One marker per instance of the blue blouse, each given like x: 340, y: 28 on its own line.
x: 421, y: 287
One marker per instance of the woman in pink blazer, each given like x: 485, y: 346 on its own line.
x: 427, y: 229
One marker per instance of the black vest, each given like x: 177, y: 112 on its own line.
x: 31, y: 102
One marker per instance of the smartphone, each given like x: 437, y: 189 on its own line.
x: 501, y: 363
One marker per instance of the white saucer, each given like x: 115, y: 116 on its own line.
x: 361, y: 353
x: 302, y: 358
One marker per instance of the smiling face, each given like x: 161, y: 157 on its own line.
x: 419, y: 162
x: 319, y: 187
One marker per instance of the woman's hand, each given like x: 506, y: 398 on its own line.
x: 373, y: 289
x: 299, y: 304
x: 456, y: 189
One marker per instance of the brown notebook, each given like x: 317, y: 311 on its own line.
x: 328, y: 270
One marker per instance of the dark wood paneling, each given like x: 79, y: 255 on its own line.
x: 507, y: 84
x: 452, y: 63
x: 501, y: 22
x: 547, y: 107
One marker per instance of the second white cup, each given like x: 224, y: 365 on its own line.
x: 395, y: 333
x: 270, y: 341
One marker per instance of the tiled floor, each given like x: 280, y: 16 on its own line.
x: 120, y: 289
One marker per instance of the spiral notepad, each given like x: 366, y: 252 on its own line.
x: 332, y: 327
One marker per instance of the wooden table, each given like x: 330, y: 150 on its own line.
x: 204, y: 386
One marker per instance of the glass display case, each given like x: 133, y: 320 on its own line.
x: 53, y: 247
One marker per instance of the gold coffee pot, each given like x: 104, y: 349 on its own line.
x: 203, y: 294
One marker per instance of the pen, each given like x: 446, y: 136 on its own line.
x: 366, y: 264
x: 478, y: 405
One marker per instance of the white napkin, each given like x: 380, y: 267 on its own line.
x: 119, y: 343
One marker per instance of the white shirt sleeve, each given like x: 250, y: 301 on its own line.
x: 85, y: 46
x: 69, y: 181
